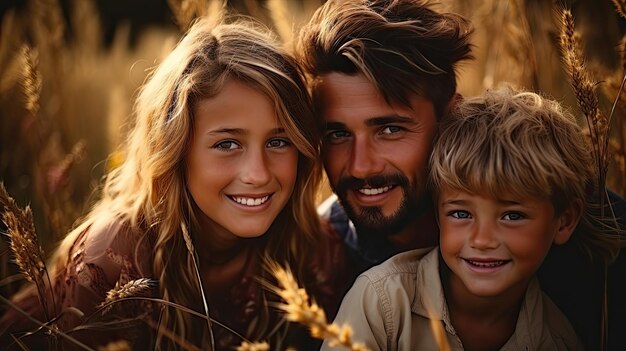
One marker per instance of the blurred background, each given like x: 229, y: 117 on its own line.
x: 65, y: 104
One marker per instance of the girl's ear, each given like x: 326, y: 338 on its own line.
x: 567, y: 222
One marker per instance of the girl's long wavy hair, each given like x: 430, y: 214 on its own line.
x: 148, y: 191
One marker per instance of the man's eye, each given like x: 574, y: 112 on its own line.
x: 337, y: 134
x: 390, y: 130
x: 513, y: 216
x: 460, y: 214
x: 278, y: 143
x: 227, y: 145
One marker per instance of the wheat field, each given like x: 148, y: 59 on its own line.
x: 68, y: 80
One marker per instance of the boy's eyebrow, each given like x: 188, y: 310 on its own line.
x: 454, y: 202
x: 464, y: 202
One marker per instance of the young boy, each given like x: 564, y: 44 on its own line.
x: 511, y: 175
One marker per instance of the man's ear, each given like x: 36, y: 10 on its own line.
x: 567, y: 222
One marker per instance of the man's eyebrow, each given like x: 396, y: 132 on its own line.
x: 382, y: 120
x: 334, y: 126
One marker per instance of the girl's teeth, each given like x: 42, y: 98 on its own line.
x: 248, y: 201
x: 374, y: 191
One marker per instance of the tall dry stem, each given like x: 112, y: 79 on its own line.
x: 31, y: 79
x: 298, y: 309
x: 186, y: 11
x: 253, y: 346
x: 620, y: 6
x: 135, y: 287
x: 192, y: 253
x: 280, y: 14
x: 26, y: 249
x: 586, y: 97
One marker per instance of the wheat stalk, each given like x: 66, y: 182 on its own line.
x: 620, y: 6
x: 135, y: 287
x: 31, y: 79
x: 121, y: 345
x: 279, y: 12
x: 192, y: 253
x: 299, y: 309
x: 253, y: 346
x: 185, y: 11
x: 25, y: 246
x: 585, y: 95
x: 61, y: 171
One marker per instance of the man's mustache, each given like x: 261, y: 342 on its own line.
x: 378, y: 181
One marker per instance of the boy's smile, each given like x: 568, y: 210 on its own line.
x: 494, y: 246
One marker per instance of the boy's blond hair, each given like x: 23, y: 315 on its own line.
x: 518, y: 143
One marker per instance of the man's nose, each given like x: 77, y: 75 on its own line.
x: 364, y: 159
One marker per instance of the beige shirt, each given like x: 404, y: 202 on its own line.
x: 388, y: 309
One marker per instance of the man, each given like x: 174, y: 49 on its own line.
x: 383, y: 76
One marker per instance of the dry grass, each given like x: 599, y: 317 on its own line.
x: 79, y: 98
x: 26, y: 249
x: 137, y: 287
x: 253, y: 346
x: 299, y: 309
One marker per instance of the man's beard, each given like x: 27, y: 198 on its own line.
x: 370, y: 221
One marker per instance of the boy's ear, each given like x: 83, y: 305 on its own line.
x: 567, y: 222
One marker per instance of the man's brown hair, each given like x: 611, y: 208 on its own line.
x: 401, y: 46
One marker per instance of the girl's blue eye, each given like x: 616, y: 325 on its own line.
x: 226, y: 145
x: 460, y: 214
x: 278, y: 143
x: 513, y: 216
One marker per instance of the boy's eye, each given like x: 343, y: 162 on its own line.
x: 513, y: 216
x: 226, y: 145
x: 278, y: 143
x: 390, y: 130
x: 460, y: 214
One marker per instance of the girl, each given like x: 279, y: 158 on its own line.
x: 224, y: 148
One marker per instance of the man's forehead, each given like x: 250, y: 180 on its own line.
x: 348, y: 98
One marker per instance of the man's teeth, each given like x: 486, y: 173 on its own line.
x: 374, y: 191
x: 249, y: 201
x: 487, y: 264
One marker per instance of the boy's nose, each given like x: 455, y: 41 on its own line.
x: 483, y: 237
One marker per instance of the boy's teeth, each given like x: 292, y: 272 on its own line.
x: 249, y: 201
x: 487, y: 264
x: 374, y: 191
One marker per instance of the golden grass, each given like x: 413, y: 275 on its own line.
x: 31, y: 82
x: 298, y: 309
x: 135, y: 287
x: 253, y: 346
